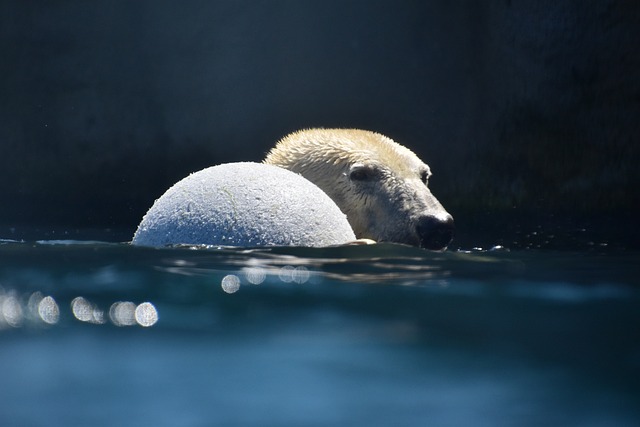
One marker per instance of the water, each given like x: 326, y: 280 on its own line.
x: 105, y: 334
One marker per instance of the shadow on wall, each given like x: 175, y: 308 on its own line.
x: 528, y: 105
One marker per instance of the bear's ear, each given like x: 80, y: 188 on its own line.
x: 362, y: 172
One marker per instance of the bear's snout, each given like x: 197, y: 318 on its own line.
x: 435, y: 233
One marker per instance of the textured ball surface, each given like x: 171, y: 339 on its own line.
x: 244, y: 204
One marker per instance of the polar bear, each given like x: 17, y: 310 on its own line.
x: 380, y: 185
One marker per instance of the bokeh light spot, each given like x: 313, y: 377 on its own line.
x: 290, y: 274
x: 286, y: 273
x: 146, y: 314
x: 11, y: 311
x: 122, y: 313
x: 230, y: 283
x: 85, y: 311
x: 255, y: 275
x: 48, y: 310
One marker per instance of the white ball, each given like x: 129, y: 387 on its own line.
x: 244, y: 204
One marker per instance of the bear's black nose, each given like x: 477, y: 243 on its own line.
x: 435, y: 232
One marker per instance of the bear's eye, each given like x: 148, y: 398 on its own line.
x: 360, y: 172
x: 424, y: 176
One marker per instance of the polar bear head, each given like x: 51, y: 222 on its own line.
x: 380, y: 185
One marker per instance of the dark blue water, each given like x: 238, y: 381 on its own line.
x: 105, y: 334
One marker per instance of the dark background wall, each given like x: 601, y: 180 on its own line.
x: 520, y: 107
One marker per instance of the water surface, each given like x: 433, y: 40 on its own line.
x: 103, y: 334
